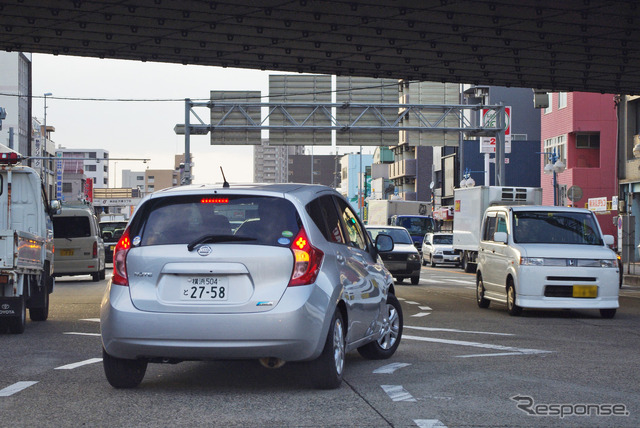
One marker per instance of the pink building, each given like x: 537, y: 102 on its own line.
x: 581, y: 128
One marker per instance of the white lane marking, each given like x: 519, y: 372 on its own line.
x: 401, y: 298
x: 453, y: 330
x: 16, y: 387
x: 79, y: 364
x: 91, y: 319
x: 390, y: 368
x: 421, y: 314
x: 398, y: 393
x: 425, y: 308
x: 411, y: 302
x: 501, y: 354
x: 510, y: 349
x: 461, y: 281
x: 429, y: 423
x: 81, y: 334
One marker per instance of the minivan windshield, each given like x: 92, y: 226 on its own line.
x: 218, y: 218
x: 554, y: 227
x: 443, y: 239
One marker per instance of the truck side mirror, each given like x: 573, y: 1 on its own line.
x: 500, y: 237
x: 384, y: 243
x: 55, y: 206
x: 608, y: 240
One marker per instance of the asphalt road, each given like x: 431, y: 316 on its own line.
x: 457, y: 366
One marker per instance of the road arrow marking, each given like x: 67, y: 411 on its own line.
x: 80, y: 363
x: 16, y: 387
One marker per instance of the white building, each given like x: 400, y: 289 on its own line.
x: 15, y: 85
x: 133, y: 180
x: 93, y: 162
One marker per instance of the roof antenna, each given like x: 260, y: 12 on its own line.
x: 226, y: 183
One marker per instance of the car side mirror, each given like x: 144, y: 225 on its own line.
x: 500, y: 237
x: 384, y: 243
x: 608, y: 240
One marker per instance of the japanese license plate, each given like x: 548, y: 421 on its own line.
x: 205, y: 288
x: 585, y: 291
x: 66, y: 252
x: 112, y: 247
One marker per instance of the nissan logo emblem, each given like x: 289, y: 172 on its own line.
x: 205, y: 250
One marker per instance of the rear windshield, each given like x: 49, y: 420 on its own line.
x: 538, y: 227
x: 112, y: 230
x: 231, y: 219
x: 71, y: 227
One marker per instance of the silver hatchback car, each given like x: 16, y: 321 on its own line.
x: 298, y: 280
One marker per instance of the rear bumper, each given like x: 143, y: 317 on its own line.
x: 403, y: 269
x: 75, y: 267
x: 293, y: 330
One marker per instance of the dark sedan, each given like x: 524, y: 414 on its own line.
x: 404, y: 261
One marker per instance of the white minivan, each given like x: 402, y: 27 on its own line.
x: 546, y: 257
x: 79, y: 248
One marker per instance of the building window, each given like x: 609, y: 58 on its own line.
x: 151, y: 179
x: 67, y: 188
x: 105, y: 181
x: 151, y: 188
x: 550, y: 108
x: 562, y: 100
x: 559, y: 145
x: 91, y: 155
x: 90, y: 167
x: 588, y: 141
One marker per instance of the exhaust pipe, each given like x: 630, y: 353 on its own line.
x: 272, y: 363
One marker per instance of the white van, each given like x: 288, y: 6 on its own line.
x: 79, y: 249
x: 546, y: 257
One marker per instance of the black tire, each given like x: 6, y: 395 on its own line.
x: 41, y: 313
x: 431, y: 261
x: 415, y: 280
x: 328, y: 368
x: 95, y: 276
x: 482, y: 302
x: 399, y: 280
x: 103, y: 274
x: 512, y: 308
x: 607, y: 313
x: 424, y: 262
x: 39, y: 310
x: 17, y: 324
x: 386, y: 346
x: 123, y: 373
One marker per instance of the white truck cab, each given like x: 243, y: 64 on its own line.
x: 26, y: 245
x: 546, y: 257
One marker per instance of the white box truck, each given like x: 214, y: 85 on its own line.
x: 26, y: 245
x: 470, y: 204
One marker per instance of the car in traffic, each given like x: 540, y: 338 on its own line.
x: 437, y: 248
x: 404, y: 260
x: 546, y: 257
x: 111, y: 232
x: 298, y: 280
x: 78, y: 246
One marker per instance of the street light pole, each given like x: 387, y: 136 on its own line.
x: 43, y: 147
x: 555, y: 166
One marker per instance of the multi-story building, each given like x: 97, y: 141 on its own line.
x: 314, y: 169
x: 133, y: 179
x: 93, y: 162
x: 580, y: 129
x: 271, y: 163
x: 15, y: 98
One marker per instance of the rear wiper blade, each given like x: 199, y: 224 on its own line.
x: 217, y: 238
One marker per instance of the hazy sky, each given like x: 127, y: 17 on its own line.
x: 139, y: 129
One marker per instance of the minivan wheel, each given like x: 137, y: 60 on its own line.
x: 512, y: 308
x: 95, y: 276
x: 482, y: 302
x: 122, y: 373
x: 329, y: 366
x: 386, y: 346
x: 607, y: 313
x: 415, y: 280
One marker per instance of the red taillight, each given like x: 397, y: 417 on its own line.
x: 307, y: 260
x: 120, y: 259
x: 95, y: 249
